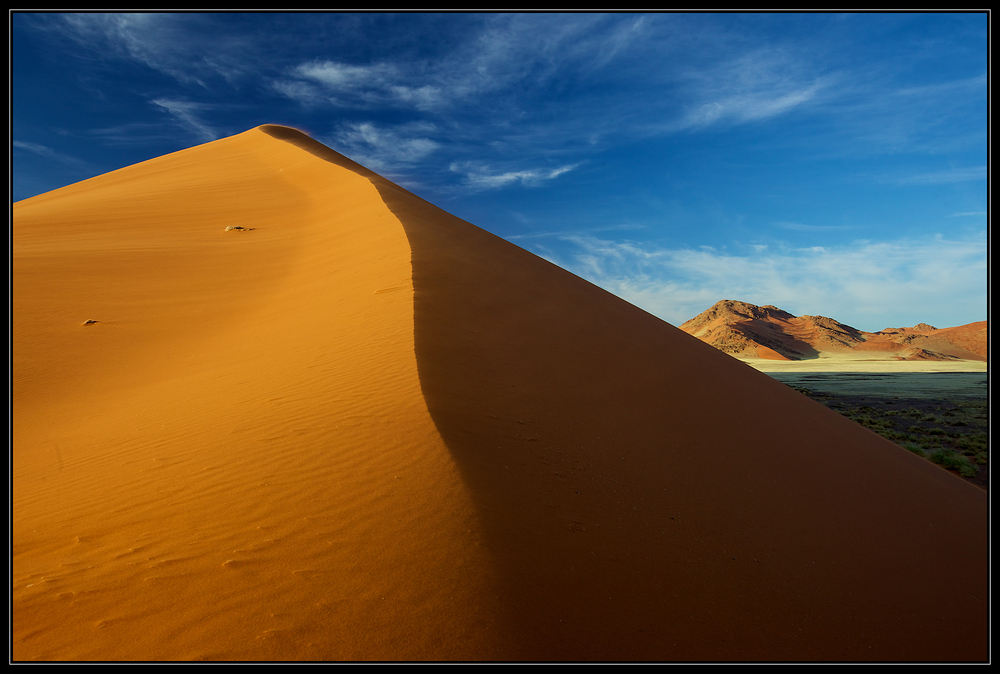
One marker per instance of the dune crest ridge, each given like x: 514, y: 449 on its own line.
x: 410, y: 439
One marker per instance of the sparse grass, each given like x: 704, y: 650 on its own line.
x: 949, y: 459
x: 953, y: 434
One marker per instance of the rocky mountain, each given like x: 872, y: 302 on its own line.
x: 749, y: 331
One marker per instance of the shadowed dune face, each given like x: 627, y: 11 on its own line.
x: 647, y: 497
x: 431, y: 444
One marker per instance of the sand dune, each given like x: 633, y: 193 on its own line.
x: 360, y: 428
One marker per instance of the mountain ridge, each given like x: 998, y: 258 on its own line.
x: 747, y: 330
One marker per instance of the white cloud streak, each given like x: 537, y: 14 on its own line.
x: 345, y: 84
x: 383, y: 148
x: 186, y: 113
x: 946, y: 177
x: 173, y: 44
x: 865, y: 284
x: 496, y: 86
x: 804, y: 227
x: 748, y: 87
x: 36, y: 148
x: 510, y: 52
x: 480, y: 176
x: 47, y: 153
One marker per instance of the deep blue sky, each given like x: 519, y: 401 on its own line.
x: 831, y: 164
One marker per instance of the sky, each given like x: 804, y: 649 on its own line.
x: 830, y: 164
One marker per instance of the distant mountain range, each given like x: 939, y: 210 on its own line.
x: 750, y: 331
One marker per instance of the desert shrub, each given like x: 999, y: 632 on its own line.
x: 968, y: 470
x: 973, y: 443
x: 947, y: 458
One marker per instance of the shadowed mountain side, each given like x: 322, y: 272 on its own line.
x: 778, y: 346
x: 749, y: 331
x: 647, y: 497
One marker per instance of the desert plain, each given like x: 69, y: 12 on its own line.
x: 269, y: 406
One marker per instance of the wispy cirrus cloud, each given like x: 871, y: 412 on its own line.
x: 480, y: 176
x: 365, y: 86
x: 494, y: 89
x: 479, y: 97
x: 880, y: 114
x: 188, y: 115
x: 741, y: 107
x: 524, y: 84
x: 386, y: 148
x: 501, y: 55
x: 45, y: 151
x: 806, y: 227
x: 747, y: 87
x: 623, y: 75
x: 177, y: 45
x: 864, y: 283
x: 944, y: 177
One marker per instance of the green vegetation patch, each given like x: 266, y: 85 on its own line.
x: 954, y: 434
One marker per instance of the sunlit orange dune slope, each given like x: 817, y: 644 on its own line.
x: 360, y: 428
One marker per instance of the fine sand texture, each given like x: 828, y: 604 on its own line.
x: 360, y: 428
